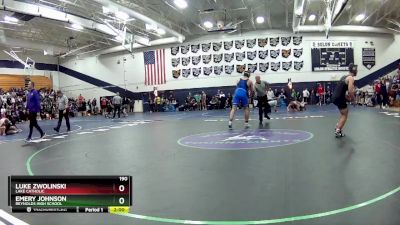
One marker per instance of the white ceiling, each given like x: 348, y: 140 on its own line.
x: 188, y: 22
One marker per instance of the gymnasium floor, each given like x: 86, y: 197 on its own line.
x: 189, y: 168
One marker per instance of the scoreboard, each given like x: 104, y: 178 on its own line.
x: 331, y: 55
x: 70, y: 194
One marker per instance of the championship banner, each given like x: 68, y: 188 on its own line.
x: 368, y: 57
x: 331, y: 55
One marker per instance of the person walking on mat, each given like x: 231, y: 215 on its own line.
x: 241, y: 97
x: 340, y: 98
x: 33, y: 106
x: 63, y: 111
x: 261, y: 89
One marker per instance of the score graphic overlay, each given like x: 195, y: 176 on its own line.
x: 70, y: 194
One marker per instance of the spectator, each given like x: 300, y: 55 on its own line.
x: 306, y: 95
x: 378, y: 93
x: 81, y: 105
x: 312, y: 97
x: 222, y: 100
x: 94, y: 106
x: 320, y: 94
x: 125, y: 106
x: 197, y: 97
x: 203, y: 101
x: 213, y: 103
x: 384, y: 93
x: 229, y: 101
x: 103, y: 105
x: 131, y: 105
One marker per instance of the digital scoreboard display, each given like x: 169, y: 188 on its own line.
x: 70, y: 194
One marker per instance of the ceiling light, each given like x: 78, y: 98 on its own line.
x: 312, y: 17
x: 180, y: 4
x: 122, y: 15
x: 11, y: 19
x: 151, y: 27
x: 77, y: 26
x: 260, y: 19
x: 106, y: 10
x: 160, y: 31
x: 360, y: 17
x: 119, y: 38
x: 299, y: 11
x: 208, y: 24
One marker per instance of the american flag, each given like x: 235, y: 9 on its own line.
x: 154, y: 67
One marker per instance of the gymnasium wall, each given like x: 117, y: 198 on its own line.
x: 131, y: 73
x: 8, y: 66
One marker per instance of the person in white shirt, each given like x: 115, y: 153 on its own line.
x: 272, y: 99
x: 306, y: 95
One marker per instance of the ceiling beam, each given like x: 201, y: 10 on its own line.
x: 141, y: 17
x: 388, y: 10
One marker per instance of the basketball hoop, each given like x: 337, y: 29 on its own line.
x: 28, y: 69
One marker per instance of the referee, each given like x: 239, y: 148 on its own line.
x: 63, y: 111
x: 33, y: 106
x: 117, y: 102
x: 261, y: 89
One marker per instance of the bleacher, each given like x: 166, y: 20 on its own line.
x: 8, y: 81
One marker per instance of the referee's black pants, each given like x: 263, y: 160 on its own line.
x: 61, y: 114
x: 263, y: 107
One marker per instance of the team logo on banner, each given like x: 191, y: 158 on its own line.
x: 218, y: 70
x: 274, y: 41
x: 196, y: 60
x: 240, y: 68
x: 286, y: 65
x: 262, y: 42
x: 229, y: 69
x: 185, y: 61
x: 176, y: 73
x: 228, y: 57
x: 298, y: 52
x: 240, y: 56
x: 275, y: 66
x: 263, y: 67
x: 239, y: 44
x: 176, y: 62
x: 206, y: 59
x: 205, y: 47
x: 252, y: 67
x: 196, y: 72
x: 263, y: 54
x: 185, y: 49
x: 217, y: 46
x: 251, y: 55
x: 368, y: 57
x: 298, y: 65
x: 195, y: 48
x: 251, y: 43
x: 217, y: 58
x: 207, y: 70
x: 186, y: 72
x: 274, y: 53
x: 286, y: 53
x: 174, y: 50
x: 228, y: 45
x: 297, y: 40
x: 286, y: 40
